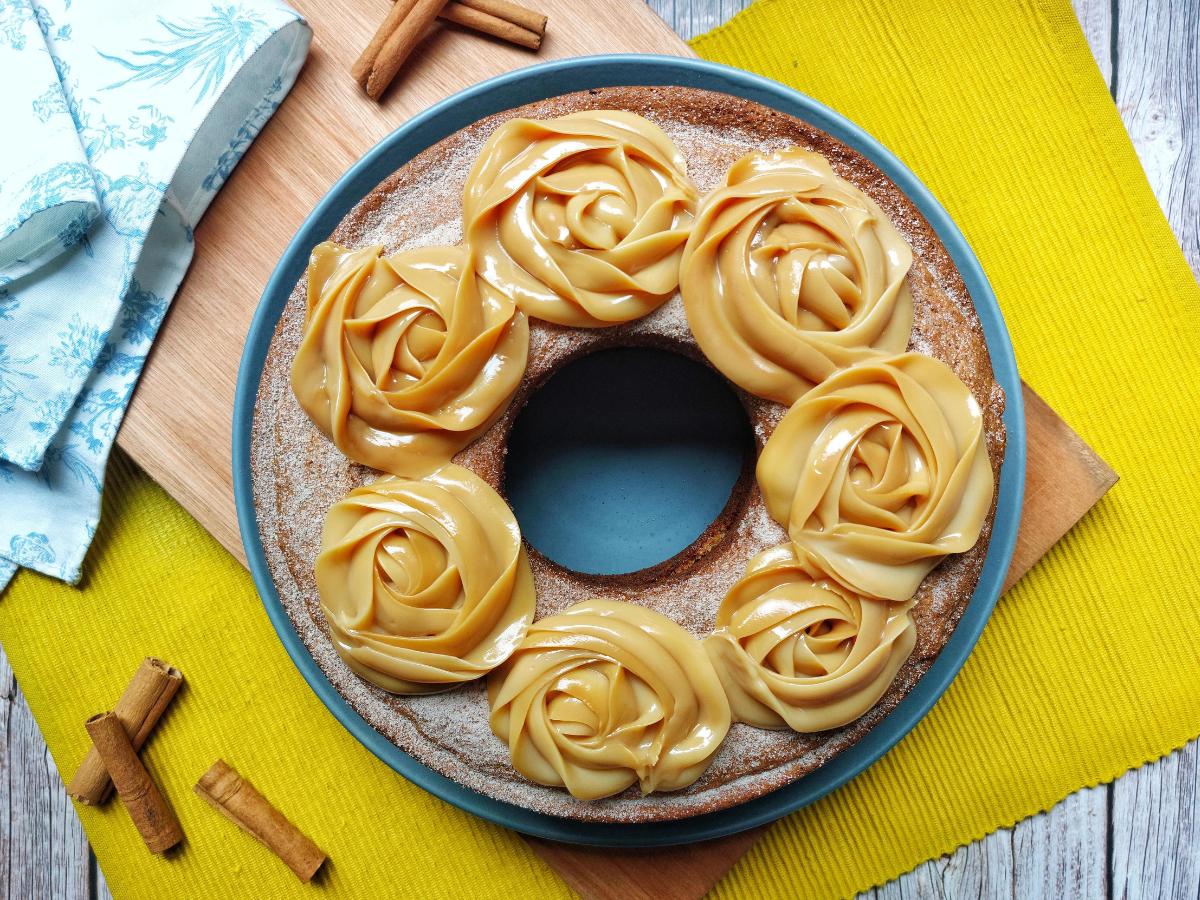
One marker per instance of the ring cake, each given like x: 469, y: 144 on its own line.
x: 660, y: 217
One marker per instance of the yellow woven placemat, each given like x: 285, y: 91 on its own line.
x: 1089, y: 666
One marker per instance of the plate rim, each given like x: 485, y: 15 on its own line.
x: 539, y: 82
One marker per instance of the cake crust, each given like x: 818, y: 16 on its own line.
x: 298, y: 474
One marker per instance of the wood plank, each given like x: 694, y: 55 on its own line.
x: 30, y: 801
x: 69, y: 850
x: 179, y: 422
x: 1063, y: 852
x: 8, y: 860
x: 1156, y: 829
x: 981, y: 869
x: 102, y: 891
x: 1058, y: 854
x: 1095, y: 19
x: 1158, y: 96
x: 689, y: 18
x: 47, y: 851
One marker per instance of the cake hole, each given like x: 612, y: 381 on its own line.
x: 624, y: 458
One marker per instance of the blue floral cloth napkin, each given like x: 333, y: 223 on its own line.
x: 47, y: 193
x: 165, y: 96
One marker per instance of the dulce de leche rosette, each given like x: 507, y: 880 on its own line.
x: 792, y: 273
x: 802, y: 652
x: 606, y: 694
x: 879, y: 472
x: 405, y: 359
x: 424, y: 582
x: 582, y: 219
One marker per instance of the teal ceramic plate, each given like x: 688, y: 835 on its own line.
x: 528, y: 86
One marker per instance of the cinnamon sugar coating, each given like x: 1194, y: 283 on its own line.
x: 298, y: 474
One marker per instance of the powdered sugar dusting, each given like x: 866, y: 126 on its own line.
x: 298, y: 474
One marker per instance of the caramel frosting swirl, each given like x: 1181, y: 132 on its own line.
x: 802, y: 652
x: 606, y: 694
x: 879, y: 472
x: 424, y: 583
x: 582, y: 219
x: 405, y: 359
x: 792, y: 273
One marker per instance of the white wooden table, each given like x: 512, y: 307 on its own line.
x: 1138, y: 837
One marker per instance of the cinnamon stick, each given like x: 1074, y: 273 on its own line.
x: 154, y: 820
x: 236, y: 799
x: 361, y: 70
x: 142, y: 703
x: 463, y: 14
x: 511, y: 12
x: 407, y: 21
x: 400, y: 44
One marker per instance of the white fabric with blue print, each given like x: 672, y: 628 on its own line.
x: 47, y: 193
x: 164, y: 98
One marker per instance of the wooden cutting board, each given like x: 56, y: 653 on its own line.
x: 179, y: 423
